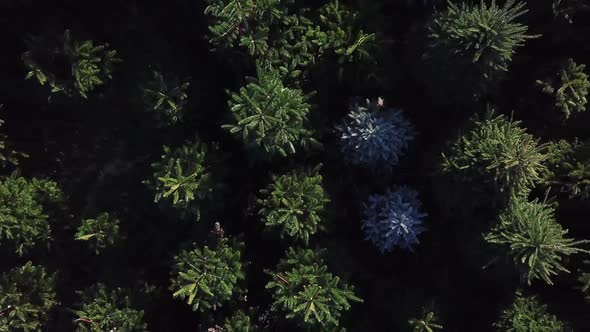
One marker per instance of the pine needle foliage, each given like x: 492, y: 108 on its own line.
x: 527, y: 314
x: 270, y: 116
x: 294, y: 203
x: 100, y: 233
x: 183, y: 176
x: 568, y: 167
x: 533, y: 239
x: 103, y: 309
x: 23, y: 222
x: 304, y: 290
x: 206, y: 278
x: 27, y: 294
x: 569, y: 87
x: 69, y: 66
x: 496, y: 152
x: 428, y: 323
x: 239, y: 322
x: 484, y: 35
x: 166, y: 96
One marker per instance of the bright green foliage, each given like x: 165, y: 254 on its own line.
x: 206, y: 278
x: 107, y: 310
x: 526, y: 314
x: 569, y: 87
x: 239, y: 322
x: 27, y: 294
x: 294, y: 203
x: 100, y: 233
x: 304, y: 290
x: 183, y: 176
x: 428, y: 323
x: 166, y: 96
x: 533, y: 239
x: 484, y: 35
x: 69, y: 66
x: 497, y: 152
x: 584, y: 279
x: 269, y: 115
x: 23, y: 222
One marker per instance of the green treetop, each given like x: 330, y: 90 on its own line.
x: 27, y: 294
x: 269, y: 115
x: 294, y: 203
x: 102, y: 310
x: 183, y: 177
x: 568, y: 167
x: 526, y: 314
x: 206, y: 278
x: 533, y: 239
x: 69, y: 66
x: 23, y: 222
x: 497, y: 152
x: 100, y: 233
x: 428, y: 323
x: 304, y: 290
x: 166, y: 96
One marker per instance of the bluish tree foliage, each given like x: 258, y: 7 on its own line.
x: 374, y: 136
x: 393, y: 219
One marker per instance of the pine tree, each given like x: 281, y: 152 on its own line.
x: 269, y: 115
x: 527, y: 314
x: 100, y: 233
x: 304, y: 290
x: 67, y: 65
x: 294, y: 202
x: 569, y: 87
x: 102, y: 310
x: 568, y: 167
x: 206, y: 277
x: 27, y: 294
x: 23, y: 222
x: 533, y: 239
x: 238, y: 322
x: 166, y: 96
x: 496, y: 155
x: 183, y: 176
x: 428, y: 323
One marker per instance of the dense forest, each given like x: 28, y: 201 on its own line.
x: 295, y: 165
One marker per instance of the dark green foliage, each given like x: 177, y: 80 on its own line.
x: 428, y: 323
x: 239, y: 322
x: 23, y: 222
x: 304, y: 290
x: 568, y: 167
x: 100, y: 233
x: 102, y: 310
x: 166, y: 96
x: 69, y: 66
x: 8, y: 156
x: 208, y: 277
x: 569, y: 87
x: 26, y: 296
x: 294, y: 202
x: 533, y: 239
x: 269, y: 115
x: 527, y: 314
x: 484, y: 36
x: 499, y: 153
x: 584, y: 280
x: 183, y: 176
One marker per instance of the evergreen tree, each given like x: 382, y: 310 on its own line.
x: 568, y: 167
x: 294, y: 203
x: 269, y: 115
x: 27, y: 294
x: 304, y: 290
x: 183, y: 175
x: 238, y: 322
x: 569, y: 87
x: 23, y: 222
x: 166, y: 96
x: 100, y: 233
x: 207, y: 278
x: 527, y: 314
x: 584, y: 280
x: 533, y: 239
x: 428, y: 323
x: 496, y: 155
x: 69, y: 66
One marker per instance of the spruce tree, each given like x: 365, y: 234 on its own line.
x: 527, y: 314
x: 294, y: 203
x: 535, y: 241
x: 568, y: 167
x: 27, y: 294
x: 102, y: 310
x: 205, y: 278
x: 100, y: 233
x: 305, y: 292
